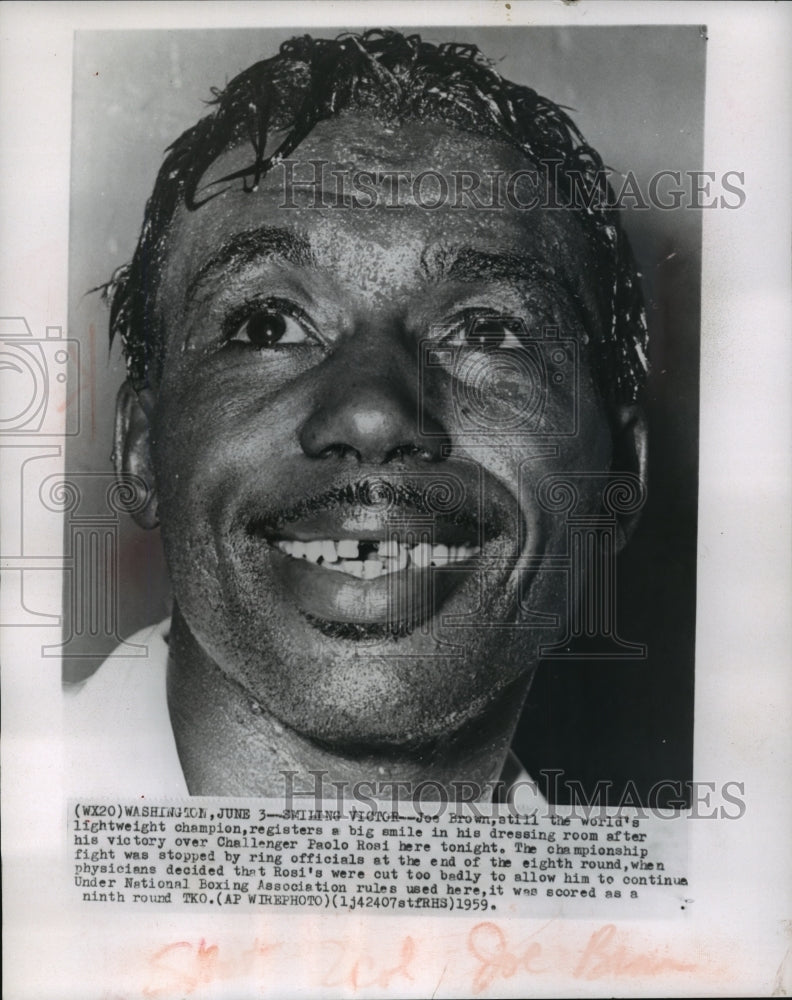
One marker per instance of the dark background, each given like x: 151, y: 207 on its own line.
x: 637, y: 94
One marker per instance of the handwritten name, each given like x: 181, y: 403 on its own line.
x: 605, y: 955
x: 182, y: 967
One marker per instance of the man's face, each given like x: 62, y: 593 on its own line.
x: 345, y: 449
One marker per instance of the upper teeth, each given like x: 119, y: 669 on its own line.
x: 370, y: 559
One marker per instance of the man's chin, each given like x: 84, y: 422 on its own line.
x: 397, y: 736
x: 379, y: 691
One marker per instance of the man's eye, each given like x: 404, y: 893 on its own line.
x: 268, y: 328
x: 490, y: 332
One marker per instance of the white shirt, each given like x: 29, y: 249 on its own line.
x: 119, y: 740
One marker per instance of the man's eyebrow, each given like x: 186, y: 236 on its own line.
x: 471, y: 264
x: 251, y: 246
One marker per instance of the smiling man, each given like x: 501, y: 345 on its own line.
x: 380, y: 313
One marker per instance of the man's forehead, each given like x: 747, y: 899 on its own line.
x: 364, y: 140
x: 389, y: 241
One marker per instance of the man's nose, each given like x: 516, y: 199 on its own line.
x: 369, y: 406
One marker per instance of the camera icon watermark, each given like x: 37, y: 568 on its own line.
x: 40, y: 377
x: 502, y: 377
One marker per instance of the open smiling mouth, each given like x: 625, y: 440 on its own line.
x: 357, y: 572
x: 370, y: 588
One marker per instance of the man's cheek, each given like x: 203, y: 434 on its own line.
x: 191, y: 481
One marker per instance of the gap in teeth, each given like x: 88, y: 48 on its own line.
x: 368, y: 560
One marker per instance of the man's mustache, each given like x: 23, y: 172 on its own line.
x: 443, y: 498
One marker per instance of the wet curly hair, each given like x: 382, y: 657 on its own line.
x: 396, y: 77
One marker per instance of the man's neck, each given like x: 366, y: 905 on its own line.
x: 229, y: 744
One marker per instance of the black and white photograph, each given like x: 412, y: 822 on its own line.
x: 427, y: 500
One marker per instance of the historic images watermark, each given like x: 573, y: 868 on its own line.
x: 311, y: 791
x: 321, y: 184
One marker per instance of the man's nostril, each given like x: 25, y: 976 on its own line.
x: 340, y: 451
x: 401, y: 452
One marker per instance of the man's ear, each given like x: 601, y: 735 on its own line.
x: 630, y: 446
x: 132, y: 452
